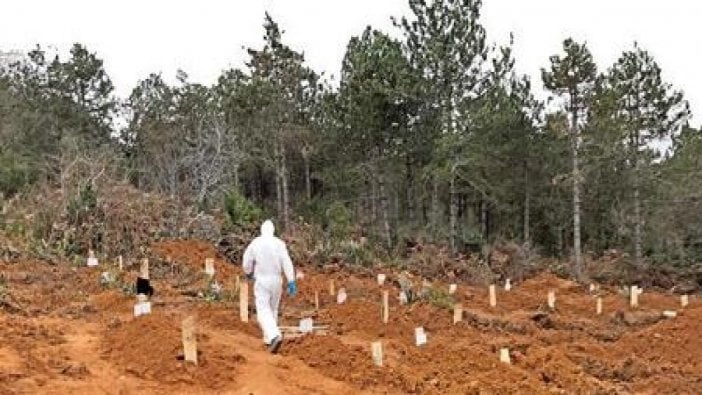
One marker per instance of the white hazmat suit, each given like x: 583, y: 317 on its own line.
x: 266, y: 257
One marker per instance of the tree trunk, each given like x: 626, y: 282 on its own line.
x: 286, y: 195
x: 278, y: 182
x: 308, y: 180
x: 410, y: 193
x: 384, y: 210
x: 373, y: 198
x: 435, y: 205
x: 575, y: 145
x: 236, y: 178
x: 638, y: 253
x: 396, y: 209
x: 173, y: 182
x: 527, y: 206
x: 483, y: 220
x: 453, y: 211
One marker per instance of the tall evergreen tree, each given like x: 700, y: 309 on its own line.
x: 376, y: 110
x: 572, y: 76
x: 447, y: 44
x: 649, y: 109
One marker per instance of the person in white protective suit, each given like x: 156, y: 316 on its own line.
x: 264, y: 261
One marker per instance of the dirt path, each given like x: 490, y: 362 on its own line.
x: 77, y: 366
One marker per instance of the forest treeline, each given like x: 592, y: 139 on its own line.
x: 432, y: 135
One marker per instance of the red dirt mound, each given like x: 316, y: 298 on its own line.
x: 193, y: 253
x: 150, y: 347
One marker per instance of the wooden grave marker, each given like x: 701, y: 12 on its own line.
x: 341, y: 296
x: 244, y: 302
x: 332, y: 288
x: 209, y: 267
x: 120, y: 263
x: 452, y: 288
x: 504, y: 356
x: 508, y: 285
x: 598, y: 308
x: 493, y: 296
x: 420, y: 337
x: 684, y: 300
x: 316, y: 300
x: 551, y: 300
x: 142, y: 306
x: 381, y: 279
x: 634, y: 297
x: 92, y: 260
x: 402, y: 297
x: 144, y: 269
x: 457, y: 313
x: 386, y: 307
x: 189, y: 340
x: 377, y: 353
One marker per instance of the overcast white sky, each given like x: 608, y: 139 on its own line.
x: 136, y: 37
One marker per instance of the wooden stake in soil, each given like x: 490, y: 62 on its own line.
x: 381, y: 279
x: 420, y: 337
x: 508, y: 285
x: 634, y: 297
x: 189, y: 341
x: 402, y: 297
x: 244, y: 302
x: 377, y: 352
x: 386, y: 309
x: 332, y: 288
x: 144, y: 270
x: 452, y: 289
x: 142, y: 306
x: 120, y: 263
x: 684, y: 300
x: 552, y: 300
x: 341, y: 296
x: 493, y: 296
x: 504, y: 356
x: 599, y: 305
x: 316, y: 300
x: 209, y: 267
x: 92, y: 260
x: 457, y: 313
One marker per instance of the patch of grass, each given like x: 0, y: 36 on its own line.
x: 439, y: 298
x: 213, y: 290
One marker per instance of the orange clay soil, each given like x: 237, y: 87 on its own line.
x: 63, y: 332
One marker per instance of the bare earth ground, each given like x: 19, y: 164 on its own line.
x: 63, y: 333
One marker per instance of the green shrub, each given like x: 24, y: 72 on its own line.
x: 357, y: 254
x: 439, y: 298
x: 15, y: 173
x: 240, y: 211
x: 338, y: 221
x: 83, y: 205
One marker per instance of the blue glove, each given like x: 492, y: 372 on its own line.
x: 292, y: 288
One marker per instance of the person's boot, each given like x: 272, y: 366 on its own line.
x: 275, y: 344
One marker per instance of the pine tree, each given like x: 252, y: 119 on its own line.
x: 572, y: 77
